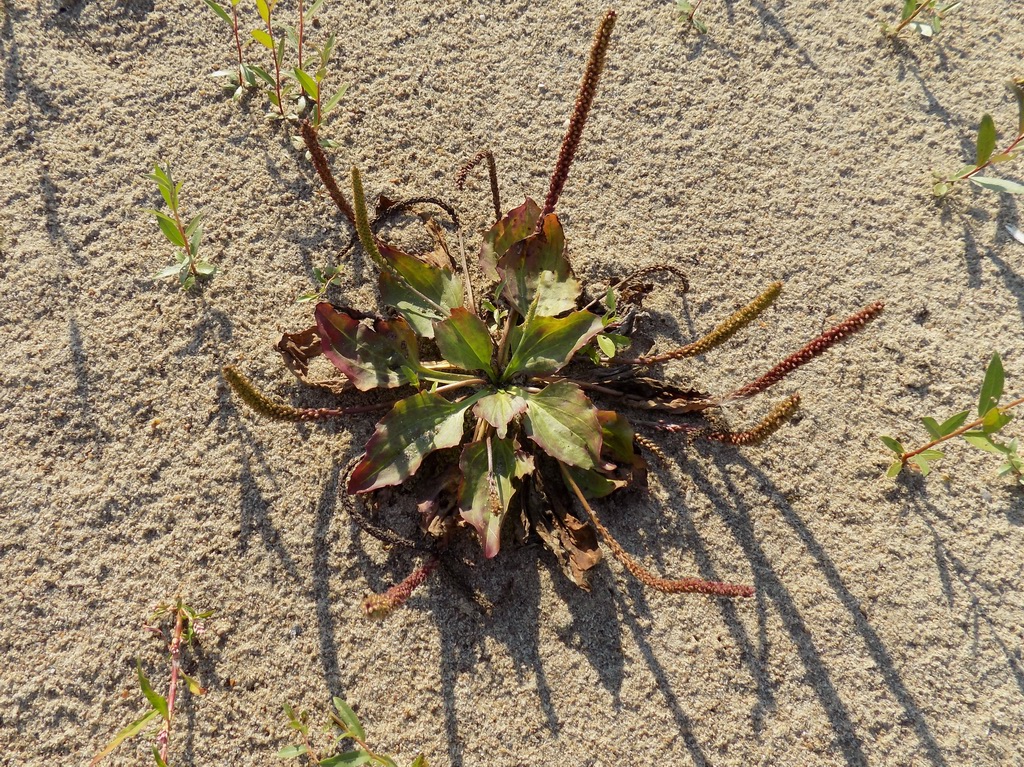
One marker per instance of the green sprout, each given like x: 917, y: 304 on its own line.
x: 187, y: 265
x: 187, y: 628
x: 986, y: 155
x: 344, y: 725
x: 687, y: 12
x: 922, y: 16
x: 293, y: 92
x: 981, y: 432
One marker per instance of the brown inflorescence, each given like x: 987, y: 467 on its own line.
x: 818, y: 346
x: 571, y: 142
x: 768, y: 425
x: 265, y: 406
x: 319, y: 160
x: 380, y: 605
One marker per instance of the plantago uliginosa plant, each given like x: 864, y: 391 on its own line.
x: 922, y: 16
x: 687, y: 12
x: 992, y: 417
x: 344, y: 725
x: 512, y: 411
x: 188, y: 266
x: 986, y: 155
x: 187, y: 627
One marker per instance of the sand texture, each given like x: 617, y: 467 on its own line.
x: 793, y: 143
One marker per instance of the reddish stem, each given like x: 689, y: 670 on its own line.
x: 277, y: 67
x: 980, y: 168
x: 164, y: 738
x: 238, y: 43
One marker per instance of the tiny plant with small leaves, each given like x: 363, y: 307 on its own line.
x: 922, y: 16
x: 344, y: 726
x: 292, y: 91
x: 186, y: 628
x: 981, y: 432
x: 688, y: 12
x: 515, y: 402
x: 986, y: 155
x: 187, y: 266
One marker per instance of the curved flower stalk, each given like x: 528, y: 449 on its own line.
x: 526, y: 396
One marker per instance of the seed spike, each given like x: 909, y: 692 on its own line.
x: 815, y: 348
x: 726, y: 330
x: 585, y: 99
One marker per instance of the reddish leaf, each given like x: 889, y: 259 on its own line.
x: 384, y: 356
x: 516, y: 226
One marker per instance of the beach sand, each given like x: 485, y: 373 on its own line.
x: 793, y: 142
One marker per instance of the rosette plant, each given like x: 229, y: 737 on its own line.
x: 526, y: 398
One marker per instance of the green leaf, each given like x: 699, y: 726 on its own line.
x: 940, y: 189
x: 489, y: 470
x: 384, y: 356
x: 279, y: 52
x: 167, y: 271
x: 992, y: 386
x: 204, y: 268
x: 498, y: 409
x: 347, y: 759
x: 193, y: 684
x: 1003, y: 157
x: 262, y: 74
x: 1018, y: 94
x: 156, y: 700
x: 421, y: 289
x: 465, y: 342
x: 414, y: 428
x: 290, y: 752
x: 263, y: 38
x: 348, y: 716
x: 986, y: 140
x: 593, y: 483
x: 543, y: 345
x: 312, y: 11
x: 130, y: 731
x: 607, y: 345
x: 564, y: 424
x: 909, y: 6
x: 536, y: 275
x: 420, y: 761
x: 215, y: 7
x: 332, y: 102
x: 995, y: 420
x: 894, y: 469
x: 998, y: 184
x: 158, y: 759
x: 932, y: 426
x: 953, y: 423
x: 264, y: 11
x: 616, y: 436
x: 515, y: 226
x: 984, y: 441
x: 169, y: 227
x: 893, y: 445
x: 308, y: 84
x: 385, y: 760
x: 965, y: 170
x: 922, y: 464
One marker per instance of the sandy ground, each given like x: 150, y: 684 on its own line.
x: 792, y: 142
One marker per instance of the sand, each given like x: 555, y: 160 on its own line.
x: 792, y: 142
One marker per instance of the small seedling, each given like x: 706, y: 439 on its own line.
x: 513, y: 412
x: 992, y: 417
x: 344, y: 725
x: 188, y: 627
x: 986, y: 155
x: 922, y: 16
x: 687, y: 12
x: 188, y: 266
x: 293, y: 92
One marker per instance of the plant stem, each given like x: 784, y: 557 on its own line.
x: 1010, y: 148
x: 460, y: 385
x: 238, y: 42
x: 163, y: 739
x: 924, y: 4
x: 966, y: 427
x: 277, y: 66
x: 302, y: 27
x: 188, y: 247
